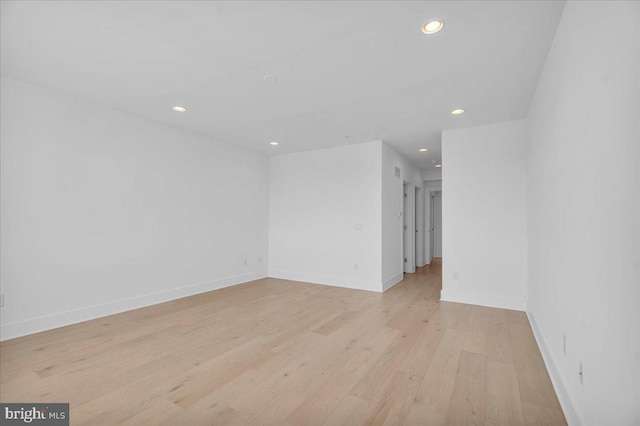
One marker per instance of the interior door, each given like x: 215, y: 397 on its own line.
x: 432, y: 224
x: 437, y: 241
x: 405, y: 237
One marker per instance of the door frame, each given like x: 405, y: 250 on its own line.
x: 434, y: 232
x: 419, y: 230
x: 407, y: 228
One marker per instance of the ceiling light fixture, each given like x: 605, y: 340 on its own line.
x: 438, y: 165
x: 457, y: 111
x: 270, y: 78
x: 274, y: 143
x: 432, y: 27
x: 423, y: 150
x: 178, y: 108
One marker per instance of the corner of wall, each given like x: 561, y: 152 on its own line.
x: 61, y: 319
x: 483, y: 299
x: 387, y: 284
x: 568, y: 407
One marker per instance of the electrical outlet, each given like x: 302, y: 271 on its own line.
x: 564, y: 344
x: 246, y: 261
x: 355, y: 266
x: 2, y: 301
x: 456, y: 276
x: 581, y: 374
x: 259, y: 260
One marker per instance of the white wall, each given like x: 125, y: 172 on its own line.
x: 391, y: 208
x: 325, y: 216
x: 335, y: 216
x: 433, y: 185
x: 432, y: 174
x: 484, y: 215
x: 584, y: 216
x: 104, y: 212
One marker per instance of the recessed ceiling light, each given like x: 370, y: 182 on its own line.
x: 438, y: 165
x: 274, y: 143
x: 432, y: 27
x: 178, y: 108
x: 423, y: 150
x: 457, y: 111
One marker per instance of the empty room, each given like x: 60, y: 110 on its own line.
x: 320, y: 213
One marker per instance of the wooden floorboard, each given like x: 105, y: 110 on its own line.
x: 277, y: 352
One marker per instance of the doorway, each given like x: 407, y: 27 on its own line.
x: 435, y: 234
x: 419, y: 227
x: 408, y: 227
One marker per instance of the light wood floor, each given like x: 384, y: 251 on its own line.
x: 284, y: 353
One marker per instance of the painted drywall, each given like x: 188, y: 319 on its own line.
x: 584, y: 215
x: 104, y: 212
x: 432, y: 174
x: 433, y: 185
x: 484, y: 229
x: 392, y: 211
x: 324, y: 216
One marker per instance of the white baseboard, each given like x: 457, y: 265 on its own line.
x: 568, y: 407
x: 61, y: 319
x: 481, y: 299
x: 386, y: 285
x: 325, y: 280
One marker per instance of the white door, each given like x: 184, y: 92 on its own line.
x: 419, y: 227
x: 408, y: 228
x: 432, y: 225
x: 404, y: 227
x: 437, y: 224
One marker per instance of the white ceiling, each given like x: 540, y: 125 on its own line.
x: 348, y: 72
